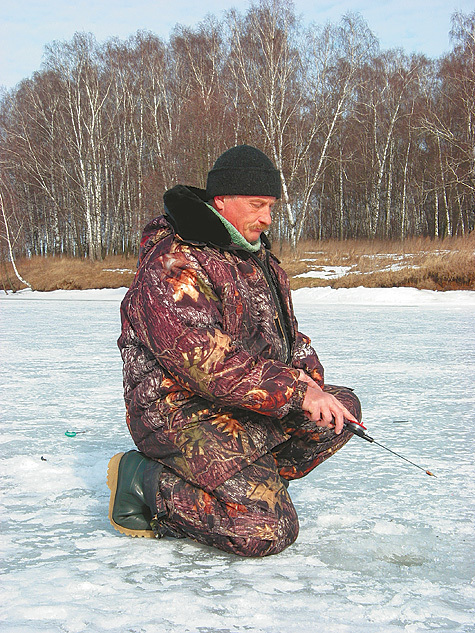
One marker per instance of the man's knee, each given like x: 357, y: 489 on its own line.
x: 271, y: 536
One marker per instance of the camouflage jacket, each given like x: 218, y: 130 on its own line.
x: 210, y: 346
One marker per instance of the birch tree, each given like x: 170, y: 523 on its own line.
x: 297, y: 90
x: 199, y: 56
x: 384, y: 104
x: 7, y: 234
x: 84, y: 94
x: 369, y: 143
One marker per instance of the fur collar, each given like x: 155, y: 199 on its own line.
x: 192, y: 219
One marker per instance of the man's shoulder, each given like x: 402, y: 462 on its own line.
x: 154, y: 233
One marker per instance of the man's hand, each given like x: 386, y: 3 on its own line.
x: 322, y: 407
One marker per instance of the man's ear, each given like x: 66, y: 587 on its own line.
x: 218, y: 203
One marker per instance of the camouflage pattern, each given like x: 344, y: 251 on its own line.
x: 310, y: 445
x: 208, y: 373
x: 211, y: 349
x: 252, y: 514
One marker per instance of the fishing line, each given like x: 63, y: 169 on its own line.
x: 358, y: 429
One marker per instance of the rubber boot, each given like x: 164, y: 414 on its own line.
x: 130, y: 501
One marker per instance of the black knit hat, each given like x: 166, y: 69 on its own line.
x: 243, y: 171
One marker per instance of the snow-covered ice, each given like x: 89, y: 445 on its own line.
x: 381, y: 262
x: 383, y: 548
x: 326, y: 272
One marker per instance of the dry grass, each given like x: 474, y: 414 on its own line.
x: 421, y: 263
x: 55, y: 273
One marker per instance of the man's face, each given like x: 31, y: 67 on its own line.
x: 250, y: 215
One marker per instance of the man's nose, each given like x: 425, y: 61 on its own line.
x: 266, y: 216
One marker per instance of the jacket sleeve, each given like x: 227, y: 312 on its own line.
x: 177, y: 315
x: 305, y: 358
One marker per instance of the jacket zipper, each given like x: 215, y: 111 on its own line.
x: 280, y: 320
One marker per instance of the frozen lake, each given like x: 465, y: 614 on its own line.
x: 383, y: 548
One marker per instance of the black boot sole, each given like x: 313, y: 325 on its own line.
x: 112, y: 479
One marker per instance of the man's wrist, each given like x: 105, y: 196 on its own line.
x: 300, y: 391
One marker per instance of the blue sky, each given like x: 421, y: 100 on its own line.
x: 26, y: 26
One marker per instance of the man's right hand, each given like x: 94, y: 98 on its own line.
x: 323, y: 408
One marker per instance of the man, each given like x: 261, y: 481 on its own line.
x: 225, y: 397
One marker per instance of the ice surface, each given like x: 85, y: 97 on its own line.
x: 383, y: 548
x: 326, y: 272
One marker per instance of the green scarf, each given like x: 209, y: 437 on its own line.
x: 236, y: 237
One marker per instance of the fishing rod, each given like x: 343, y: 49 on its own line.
x: 358, y: 429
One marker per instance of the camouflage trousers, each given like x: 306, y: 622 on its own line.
x: 252, y: 514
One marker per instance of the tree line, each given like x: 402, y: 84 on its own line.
x: 371, y: 143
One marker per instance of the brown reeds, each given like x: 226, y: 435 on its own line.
x: 447, y: 264
x: 66, y: 273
